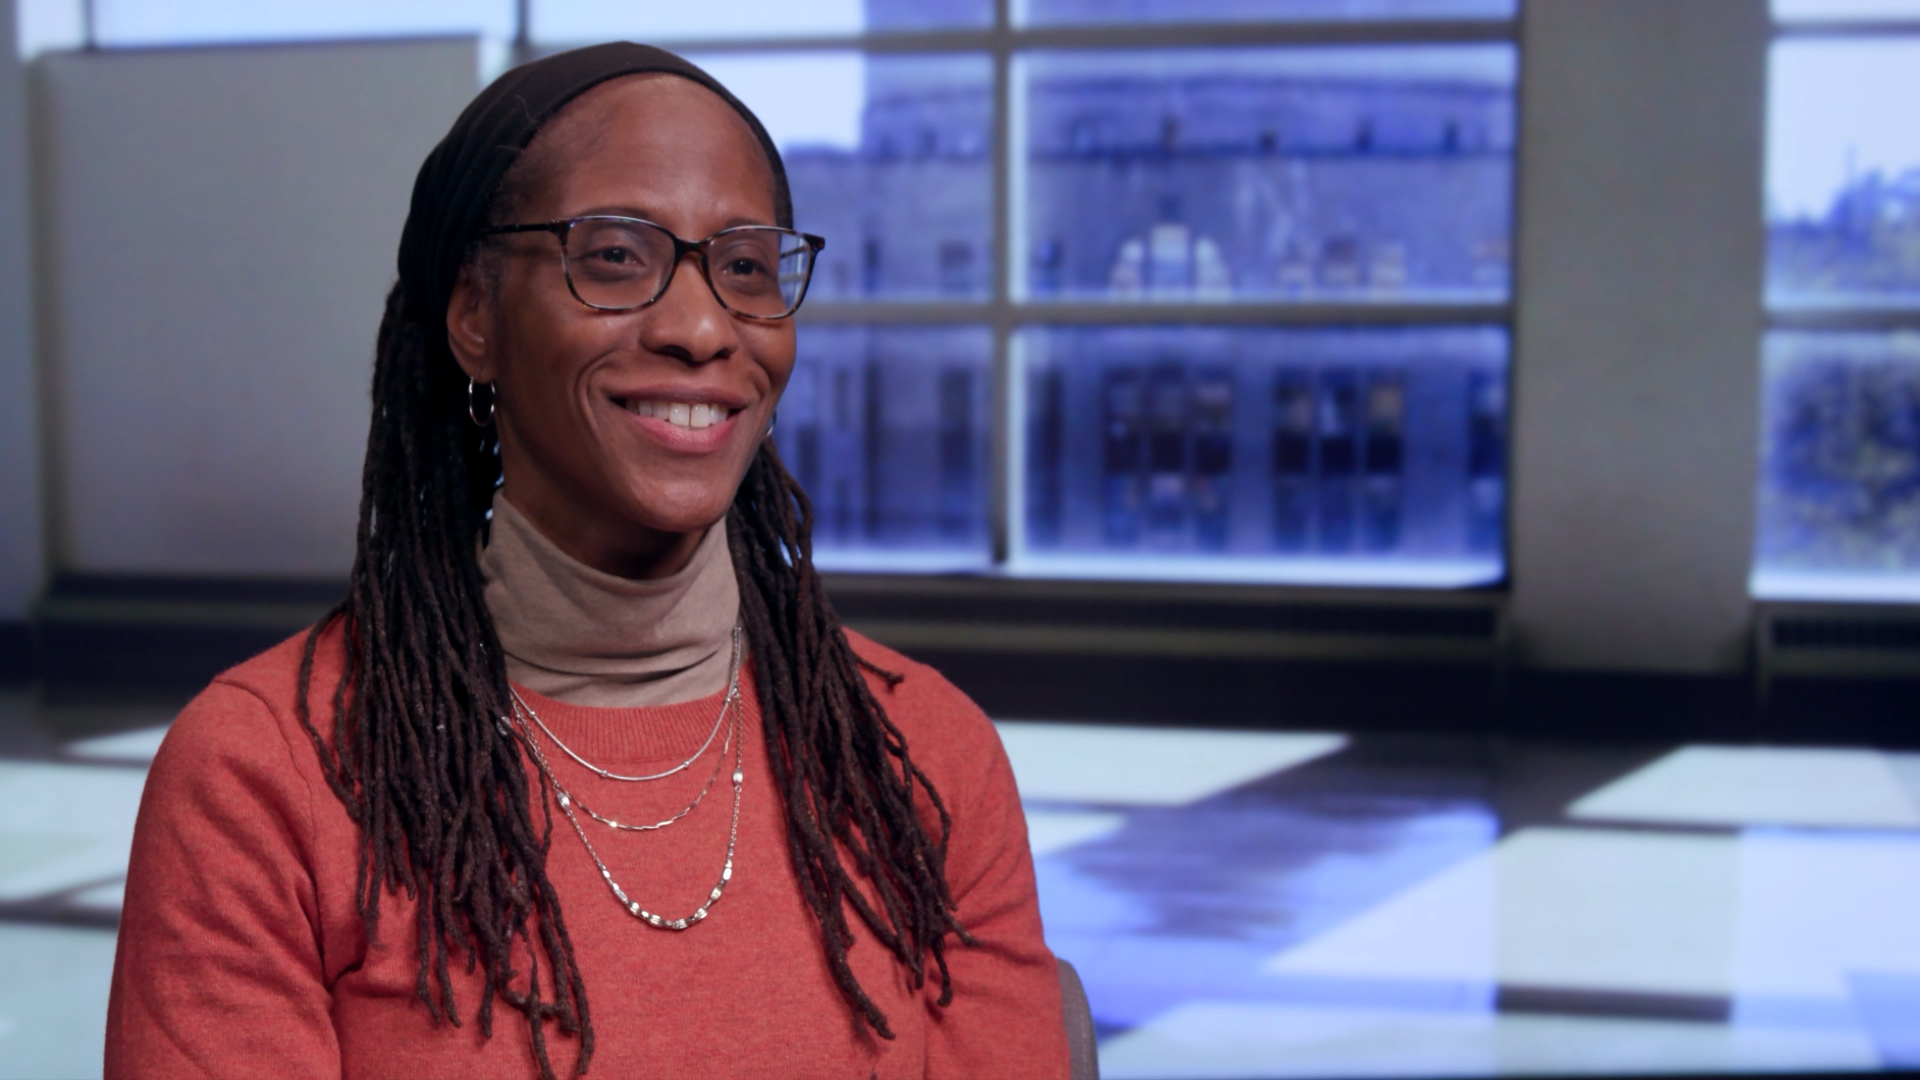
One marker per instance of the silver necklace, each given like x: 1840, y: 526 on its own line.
x: 733, y: 694
x: 718, y: 761
x: 633, y: 907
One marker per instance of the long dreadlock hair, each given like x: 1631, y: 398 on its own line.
x: 442, y: 795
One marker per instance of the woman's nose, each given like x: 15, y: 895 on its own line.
x: 688, y: 321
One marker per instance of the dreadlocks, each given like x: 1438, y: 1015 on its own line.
x: 439, y: 789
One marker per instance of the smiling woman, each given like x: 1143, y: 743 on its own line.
x: 584, y: 583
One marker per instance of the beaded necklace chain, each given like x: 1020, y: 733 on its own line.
x: 633, y: 906
x: 735, y: 739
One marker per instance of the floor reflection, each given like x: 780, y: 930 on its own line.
x: 1287, y: 904
x: 1434, y: 906
x: 66, y: 819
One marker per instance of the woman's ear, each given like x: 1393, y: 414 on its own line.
x: 471, y: 324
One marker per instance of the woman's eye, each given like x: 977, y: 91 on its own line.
x: 745, y: 267
x: 617, y: 256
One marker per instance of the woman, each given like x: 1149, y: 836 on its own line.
x: 584, y: 771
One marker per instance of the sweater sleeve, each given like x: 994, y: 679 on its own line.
x: 1005, y: 1017
x: 219, y: 968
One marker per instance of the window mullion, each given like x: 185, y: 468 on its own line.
x: 1003, y: 486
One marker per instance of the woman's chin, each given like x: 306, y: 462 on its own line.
x: 687, y: 515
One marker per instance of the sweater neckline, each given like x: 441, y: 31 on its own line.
x: 639, y: 734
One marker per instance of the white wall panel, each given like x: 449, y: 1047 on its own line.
x: 1637, y: 334
x: 219, y: 228
x: 21, y: 560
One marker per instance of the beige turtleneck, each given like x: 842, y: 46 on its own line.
x: 585, y: 637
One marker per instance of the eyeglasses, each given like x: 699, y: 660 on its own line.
x: 621, y: 263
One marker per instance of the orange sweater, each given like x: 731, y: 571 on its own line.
x: 242, y: 952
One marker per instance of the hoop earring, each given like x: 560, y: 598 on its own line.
x: 493, y: 401
x: 771, y: 420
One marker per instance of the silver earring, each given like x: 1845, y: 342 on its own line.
x: 771, y: 420
x: 473, y: 414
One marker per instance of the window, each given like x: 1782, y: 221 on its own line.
x: 1109, y: 12
x: 1839, y: 491
x: 1231, y: 310
x: 1341, y: 456
x: 887, y: 428
x: 1281, y: 174
x: 1208, y: 290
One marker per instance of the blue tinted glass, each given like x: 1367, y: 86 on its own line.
x: 170, y: 22
x: 1839, y: 498
x: 1053, y: 12
x: 1843, y: 172
x: 1847, y: 10
x: 581, y: 21
x: 889, y: 158
x: 1372, y: 456
x: 886, y: 428
x: 1372, y: 174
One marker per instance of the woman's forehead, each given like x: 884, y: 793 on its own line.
x: 652, y: 126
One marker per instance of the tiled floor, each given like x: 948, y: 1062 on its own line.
x: 1290, y: 904
x: 66, y: 816
x: 1392, y: 907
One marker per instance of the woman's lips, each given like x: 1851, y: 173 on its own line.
x: 682, y: 425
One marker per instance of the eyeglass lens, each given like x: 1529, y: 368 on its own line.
x: 624, y: 263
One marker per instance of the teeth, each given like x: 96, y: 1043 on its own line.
x: 680, y: 413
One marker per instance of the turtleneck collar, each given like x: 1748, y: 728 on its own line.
x: 585, y: 637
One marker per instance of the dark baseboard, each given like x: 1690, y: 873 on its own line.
x: 99, y: 635
x: 111, y: 634
x: 161, y: 658
x: 17, y: 664
x: 101, y: 658
x: 1218, y: 692
x: 1434, y: 698
x: 204, y: 593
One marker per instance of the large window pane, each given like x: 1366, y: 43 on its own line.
x: 1054, y: 12
x: 886, y: 428
x: 1843, y: 173
x: 1338, y: 456
x: 173, y: 22
x: 1839, y: 499
x: 1377, y: 174
x: 890, y: 160
x: 1849, y: 10
x: 577, y: 21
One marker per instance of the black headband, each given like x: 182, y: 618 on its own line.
x: 456, y: 185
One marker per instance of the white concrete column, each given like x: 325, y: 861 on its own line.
x: 1636, y: 340
x: 22, y: 547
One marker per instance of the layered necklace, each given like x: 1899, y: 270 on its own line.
x: 734, y: 740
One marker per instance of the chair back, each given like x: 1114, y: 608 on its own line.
x: 1081, y: 1047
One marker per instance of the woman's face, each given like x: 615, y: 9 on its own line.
x: 623, y: 492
